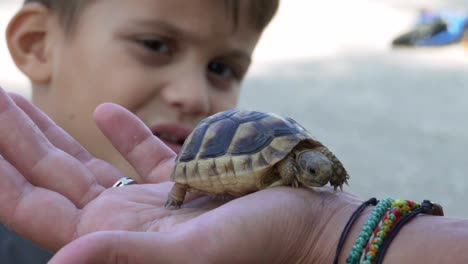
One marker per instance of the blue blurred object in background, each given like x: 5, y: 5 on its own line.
x: 434, y: 28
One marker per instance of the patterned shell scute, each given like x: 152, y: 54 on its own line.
x: 194, y: 141
x: 240, y: 132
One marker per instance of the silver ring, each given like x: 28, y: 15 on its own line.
x: 124, y: 181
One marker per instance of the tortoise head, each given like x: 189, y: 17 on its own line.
x: 314, y: 168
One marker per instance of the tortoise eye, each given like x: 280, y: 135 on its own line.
x: 312, y: 171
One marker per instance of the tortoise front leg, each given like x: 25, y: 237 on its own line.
x: 287, y: 169
x: 176, y: 196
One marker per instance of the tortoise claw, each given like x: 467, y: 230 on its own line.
x: 176, y: 196
x: 172, y: 204
x: 335, y: 187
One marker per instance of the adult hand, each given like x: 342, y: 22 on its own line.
x: 272, y: 226
x: 54, y: 192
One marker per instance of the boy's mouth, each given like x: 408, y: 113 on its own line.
x: 173, y: 135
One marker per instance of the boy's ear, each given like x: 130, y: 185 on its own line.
x: 27, y: 36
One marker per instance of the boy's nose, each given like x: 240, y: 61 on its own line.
x: 190, y: 95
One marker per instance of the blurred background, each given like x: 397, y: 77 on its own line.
x: 397, y: 118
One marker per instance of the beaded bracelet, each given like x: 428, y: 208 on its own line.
x: 426, y: 207
x: 399, y: 209
x: 367, y: 229
x: 377, y: 235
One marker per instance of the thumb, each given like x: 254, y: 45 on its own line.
x: 123, y: 247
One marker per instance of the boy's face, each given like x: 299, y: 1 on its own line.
x: 169, y: 62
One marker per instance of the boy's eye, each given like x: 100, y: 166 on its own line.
x: 156, y: 45
x: 221, y: 69
x: 225, y: 75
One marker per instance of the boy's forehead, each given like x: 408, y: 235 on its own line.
x: 205, y: 23
x: 201, y: 18
x: 218, y: 13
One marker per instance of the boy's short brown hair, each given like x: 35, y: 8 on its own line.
x: 260, y: 11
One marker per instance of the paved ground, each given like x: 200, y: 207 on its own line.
x: 397, y: 119
x: 399, y: 127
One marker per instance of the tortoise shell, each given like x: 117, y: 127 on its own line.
x: 233, y: 152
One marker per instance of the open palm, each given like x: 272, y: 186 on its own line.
x: 54, y: 192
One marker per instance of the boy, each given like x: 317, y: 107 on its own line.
x: 169, y: 62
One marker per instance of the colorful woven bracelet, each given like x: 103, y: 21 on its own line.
x: 426, y: 208
x: 367, y: 230
x: 398, y: 210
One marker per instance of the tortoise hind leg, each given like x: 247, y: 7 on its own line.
x: 176, y: 196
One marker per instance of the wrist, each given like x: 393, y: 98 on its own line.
x: 353, y: 234
x: 413, y: 243
x: 332, y: 212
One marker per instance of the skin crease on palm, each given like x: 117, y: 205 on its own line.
x: 169, y: 62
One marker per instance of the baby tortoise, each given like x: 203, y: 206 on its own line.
x: 237, y: 152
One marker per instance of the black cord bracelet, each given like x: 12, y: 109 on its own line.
x: 349, y: 224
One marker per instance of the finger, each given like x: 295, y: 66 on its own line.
x: 126, y: 247
x: 152, y: 159
x: 27, y: 209
x: 24, y: 146
x: 105, y: 174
